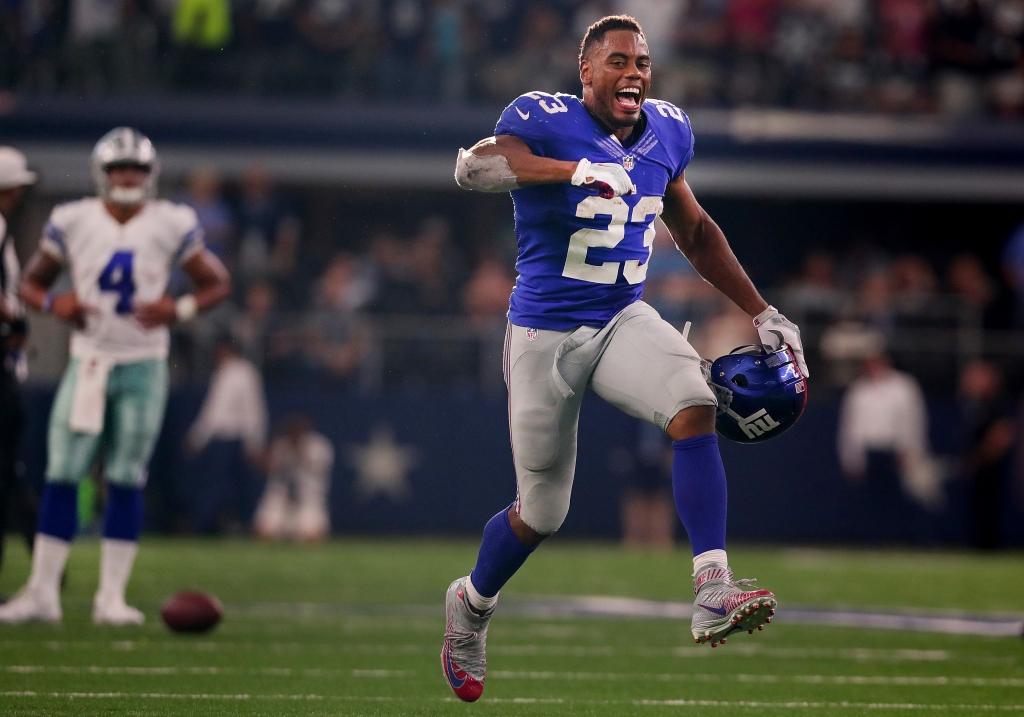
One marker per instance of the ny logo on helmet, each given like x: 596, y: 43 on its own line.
x: 758, y: 424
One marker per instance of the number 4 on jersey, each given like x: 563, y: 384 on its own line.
x: 117, y: 277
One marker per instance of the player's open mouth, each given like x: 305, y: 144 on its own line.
x: 628, y: 99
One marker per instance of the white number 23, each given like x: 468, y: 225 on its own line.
x: 576, y: 266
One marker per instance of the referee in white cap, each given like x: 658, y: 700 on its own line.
x: 17, y: 507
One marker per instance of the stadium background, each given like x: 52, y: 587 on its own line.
x: 864, y: 159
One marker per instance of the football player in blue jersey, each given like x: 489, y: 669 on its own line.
x: 588, y: 179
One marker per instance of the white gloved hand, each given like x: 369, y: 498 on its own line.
x: 609, y: 179
x: 774, y: 329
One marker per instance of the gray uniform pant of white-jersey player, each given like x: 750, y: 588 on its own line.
x: 638, y: 362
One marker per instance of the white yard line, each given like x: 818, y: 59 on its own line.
x: 683, y: 651
x: 931, y: 681
x: 200, y: 671
x: 525, y: 700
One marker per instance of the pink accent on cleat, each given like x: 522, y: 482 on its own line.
x: 767, y: 619
x: 760, y: 627
x: 750, y: 632
x: 714, y: 644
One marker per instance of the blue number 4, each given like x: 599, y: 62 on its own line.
x: 117, y: 277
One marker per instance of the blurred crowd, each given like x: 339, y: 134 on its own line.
x: 955, y: 57
x: 307, y: 310
x: 421, y: 298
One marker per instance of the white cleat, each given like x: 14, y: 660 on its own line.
x: 116, y: 612
x: 29, y: 606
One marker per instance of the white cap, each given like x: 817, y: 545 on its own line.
x: 14, y: 171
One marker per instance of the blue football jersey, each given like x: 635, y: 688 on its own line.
x: 582, y: 258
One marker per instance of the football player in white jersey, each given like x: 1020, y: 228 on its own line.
x: 119, y: 248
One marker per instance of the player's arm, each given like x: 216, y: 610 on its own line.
x: 213, y: 285
x: 42, y: 270
x: 704, y: 244
x: 505, y: 162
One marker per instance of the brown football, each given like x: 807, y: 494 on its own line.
x: 191, y: 611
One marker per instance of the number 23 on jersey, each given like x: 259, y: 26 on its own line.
x: 576, y: 266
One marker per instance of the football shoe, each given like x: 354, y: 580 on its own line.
x: 30, y: 605
x: 464, y: 655
x: 114, y: 611
x: 724, y: 606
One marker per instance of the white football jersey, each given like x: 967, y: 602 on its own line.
x: 115, y: 266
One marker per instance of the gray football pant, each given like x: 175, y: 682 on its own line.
x: 638, y: 362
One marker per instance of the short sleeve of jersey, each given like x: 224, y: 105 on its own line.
x: 54, y: 241
x: 534, y: 118
x: 674, y: 131
x: 187, y: 226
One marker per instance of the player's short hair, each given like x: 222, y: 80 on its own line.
x: 597, y: 31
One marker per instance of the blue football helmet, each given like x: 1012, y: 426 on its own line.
x: 768, y: 393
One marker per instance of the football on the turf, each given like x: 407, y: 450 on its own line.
x: 191, y: 611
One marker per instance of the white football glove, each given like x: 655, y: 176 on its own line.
x: 609, y: 179
x: 774, y: 329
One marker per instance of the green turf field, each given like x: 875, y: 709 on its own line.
x: 353, y: 628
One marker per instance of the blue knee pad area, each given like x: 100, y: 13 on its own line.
x: 123, y: 519
x: 58, y: 513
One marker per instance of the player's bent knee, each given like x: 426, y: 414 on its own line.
x: 543, y: 507
x: 692, y: 421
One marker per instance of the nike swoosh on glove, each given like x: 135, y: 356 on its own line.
x: 610, y: 180
x: 774, y: 329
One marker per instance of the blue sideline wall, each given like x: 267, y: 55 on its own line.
x: 789, y: 489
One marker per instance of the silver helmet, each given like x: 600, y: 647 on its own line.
x: 124, y: 147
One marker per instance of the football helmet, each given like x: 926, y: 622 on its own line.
x: 124, y: 147
x: 768, y: 392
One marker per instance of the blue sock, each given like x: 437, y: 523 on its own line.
x: 501, y: 555
x: 58, y: 513
x: 123, y: 520
x: 698, y: 486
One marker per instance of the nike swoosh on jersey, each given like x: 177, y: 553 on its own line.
x: 524, y: 116
x: 716, y: 610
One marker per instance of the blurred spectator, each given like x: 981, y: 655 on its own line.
x: 674, y: 287
x: 883, y: 433
x: 545, y: 61
x: 251, y: 329
x: 914, y: 283
x: 817, y: 289
x: 486, y: 295
x: 970, y: 283
x: 648, y: 513
x: 960, y: 57
x: 294, y: 502
x: 203, y: 194
x: 330, y: 30
x: 200, y: 30
x: 990, y: 432
x: 264, y: 223
x: 336, y: 341
x: 437, y: 267
x: 723, y: 332
x: 94, y: 30
x: 873, y: 300
x: 227, y: 440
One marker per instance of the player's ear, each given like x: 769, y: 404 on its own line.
x: 586, y: 72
